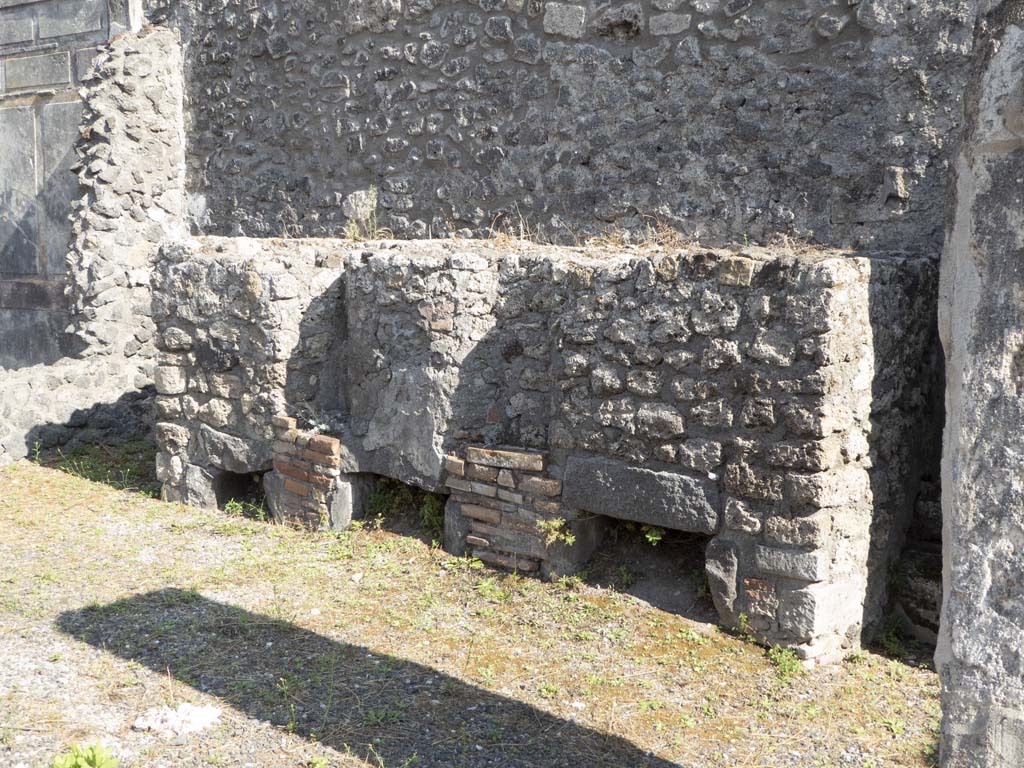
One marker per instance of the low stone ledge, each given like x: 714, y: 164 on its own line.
x: 666, y: 499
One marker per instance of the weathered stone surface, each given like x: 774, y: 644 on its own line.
x: 721, y: 563
x: 227, y: 452
x: 667, y: 499
x: 794, y: 565
x: 456, y: 528
x: 506, y: 459
x: 59, y: 19
x: 568, y: 119
x: 100, y: 393
x: 982, y: 326
x: 47, y: 69
x: 630, y: 381
x: 564, y: 19
x: 51, y: 44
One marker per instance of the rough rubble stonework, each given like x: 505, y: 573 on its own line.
x: 739, y: 395
x: 775, y: 402
x: 981, y: 645
x: 725, y: 119
x: 256, y: 320
x: 130, y: 170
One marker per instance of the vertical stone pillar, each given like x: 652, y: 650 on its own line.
x: 981, y: 644
x: 312, y: 484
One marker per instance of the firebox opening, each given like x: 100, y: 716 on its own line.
x: 661, y: 567
x: 240, y: 492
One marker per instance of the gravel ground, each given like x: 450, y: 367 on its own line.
x: 375, y: 648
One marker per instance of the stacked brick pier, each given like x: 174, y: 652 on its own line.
x: 306, y: 467
x: 505, y: 509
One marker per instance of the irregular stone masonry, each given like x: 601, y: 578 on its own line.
x: 769, y: 400
x: 130, y: 173
x: 46, y: 52
x: 980, y: 655
x: 244, y: 335
x: 724, y: 119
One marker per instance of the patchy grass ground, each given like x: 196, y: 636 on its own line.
x: 375, y: 648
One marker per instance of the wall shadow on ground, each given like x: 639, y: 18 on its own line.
x: 128, y: 418
x: 272, y: 670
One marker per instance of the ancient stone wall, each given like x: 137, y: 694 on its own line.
x: 45, y: 53
x: 769, y: 399
x: 129, y: 165
x: 730, y: 120
x: 981, y: 652
x: 245, y: 330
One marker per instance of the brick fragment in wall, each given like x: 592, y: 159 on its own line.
x: 540, y: 486
x: 517, y: 543
x: 509, y: 562
x: 481, y: 473
x: 453, y: 465
x: 504, y: 459
x: 485, y: 514
x: 509, y: 496
x: 760, y: 598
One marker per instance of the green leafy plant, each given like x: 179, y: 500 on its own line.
x: 652, y: 534
x: 379, y: 716
x: 624, y: 577
x: 127, y: 467
x: 786, y: 662
x: 432, y: 514
x: 392, y: 500
x: 547, y: 691
x: 895, y: 726
x: 246, y: 508
x: 743, y: 626
x: 489, y: 589
x: 92, y: 756
x: 555, y: 532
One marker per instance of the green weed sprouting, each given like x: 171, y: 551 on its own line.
x: 92, y: 756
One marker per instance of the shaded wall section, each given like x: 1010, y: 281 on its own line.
x: 981, y: 654
x: 45, y: 51
x: 131, y: 176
